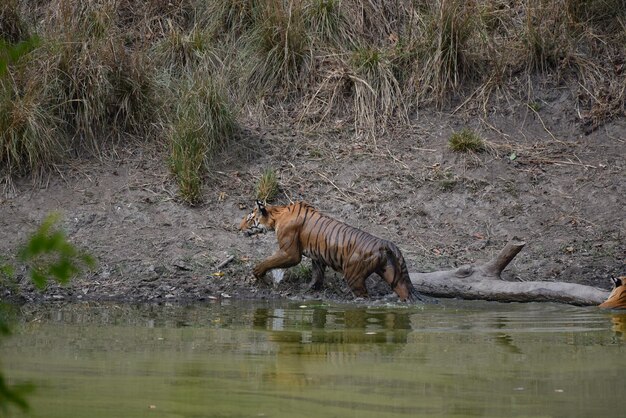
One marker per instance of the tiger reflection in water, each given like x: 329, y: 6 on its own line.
x: 617, y: 300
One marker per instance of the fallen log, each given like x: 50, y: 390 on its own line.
x: 484, y: 281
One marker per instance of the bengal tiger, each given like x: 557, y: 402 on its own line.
x: 303, y: 230
x: 617, y: 298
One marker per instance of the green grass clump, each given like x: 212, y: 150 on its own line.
x: 187, y: 161
x: 364, y: 59
x: 466, y: 140
x: 267, y: 186
x: 202, y: 125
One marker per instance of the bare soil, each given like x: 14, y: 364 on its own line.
x: 541, y: 179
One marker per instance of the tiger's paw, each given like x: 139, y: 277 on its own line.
x: 315, y: 285
x: 262, y: 279
x: 258, y: 272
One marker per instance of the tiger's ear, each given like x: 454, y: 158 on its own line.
x: 617, y: 282
x: 261, y: 207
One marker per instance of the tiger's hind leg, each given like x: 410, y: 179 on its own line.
x: 317, y: 279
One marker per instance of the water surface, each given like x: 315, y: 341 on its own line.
x: 250, y: 359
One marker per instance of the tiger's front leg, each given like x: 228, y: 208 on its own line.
x: 280, y: 259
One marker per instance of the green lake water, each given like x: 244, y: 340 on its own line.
x: 295, y: 359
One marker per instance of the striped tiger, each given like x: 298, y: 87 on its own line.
x: 302, y: 230
x: 617, y: 298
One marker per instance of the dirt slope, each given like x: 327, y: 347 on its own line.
x: 540, y: 179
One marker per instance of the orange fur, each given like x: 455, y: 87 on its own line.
x: 617, y: 298
x: 302, y: 230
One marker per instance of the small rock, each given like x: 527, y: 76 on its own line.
x: 278, y: 275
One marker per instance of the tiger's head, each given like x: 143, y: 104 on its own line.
x: 258, y: 221
x: 617, y: 297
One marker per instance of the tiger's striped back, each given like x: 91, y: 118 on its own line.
x: 332, y: 241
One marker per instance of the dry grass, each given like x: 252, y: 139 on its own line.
x: 12, y: 26
x: 281, y: 43
x: 113, y: 69
x: 447, y: 29
x: 327, y: 23
x: 30, y: 134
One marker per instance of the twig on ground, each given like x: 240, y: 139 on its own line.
x: 345, y: 195
x: 225, y: 262
x: 490, y: 126
x: 406, y: 167
x: 466, y: 101
x: 424, y: 149
x: 545, y: 128
x: 568, y: 162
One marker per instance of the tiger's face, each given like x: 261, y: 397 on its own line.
x: 256, y: 222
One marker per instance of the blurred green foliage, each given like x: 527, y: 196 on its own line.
x: 49, y: 256
x: 11, y: 52
x: 11, y: 394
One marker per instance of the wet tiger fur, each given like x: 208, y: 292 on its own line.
x: 617, y: 298
x: 302, y: 230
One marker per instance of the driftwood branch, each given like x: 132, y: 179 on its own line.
x: 494, y: 267
x: 483, y: 281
